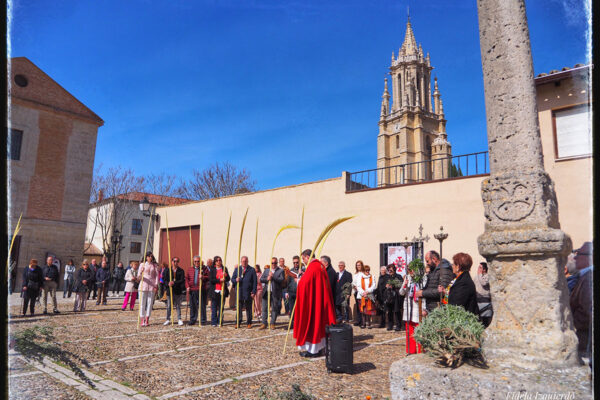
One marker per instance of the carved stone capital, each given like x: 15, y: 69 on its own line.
x: 516, y: 199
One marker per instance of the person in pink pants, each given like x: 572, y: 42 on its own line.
x: 131, y: 286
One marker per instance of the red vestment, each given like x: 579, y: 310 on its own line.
x: 314, y: 306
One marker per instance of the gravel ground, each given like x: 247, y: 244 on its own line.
x: 215, y: 354
x: 42, y: 386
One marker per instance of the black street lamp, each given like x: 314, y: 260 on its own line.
x: 145, y: 207
x: 116, y: 240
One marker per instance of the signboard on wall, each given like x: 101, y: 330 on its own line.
x: 400, y: 256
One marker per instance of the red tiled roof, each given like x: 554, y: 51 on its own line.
x: 556, y: 75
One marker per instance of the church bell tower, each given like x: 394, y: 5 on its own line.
x: 412, y: 129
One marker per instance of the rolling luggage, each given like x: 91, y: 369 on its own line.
x: 339, y: 348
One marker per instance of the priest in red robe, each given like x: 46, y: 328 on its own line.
x: 314, y: 308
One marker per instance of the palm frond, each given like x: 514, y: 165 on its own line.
x: 283, y: 228
x: 242, y: 235
x: 227, y: 241
x: 327, y: 230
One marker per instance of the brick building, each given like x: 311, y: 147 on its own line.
x: 52, y: 143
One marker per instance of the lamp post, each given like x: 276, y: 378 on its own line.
x: 441, y: 237
x: 145, y: 209
x: 116, y: 240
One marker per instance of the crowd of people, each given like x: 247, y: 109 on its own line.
x: 400, y: 300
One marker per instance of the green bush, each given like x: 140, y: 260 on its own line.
x: 451, y: 334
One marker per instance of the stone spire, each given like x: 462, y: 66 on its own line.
x: 437, y: 99
x: 409, y: 47
x: 385, y: 102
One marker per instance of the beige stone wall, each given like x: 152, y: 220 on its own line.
x: 382, y: 216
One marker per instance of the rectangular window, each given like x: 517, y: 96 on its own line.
x: 572, y: 130
x: 14, y: 146
x: 136, y: 227
x: 135, y: 247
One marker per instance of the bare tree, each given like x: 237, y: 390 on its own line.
x: 111, y: 207
x: 162, y: 186
x: 217, y: 180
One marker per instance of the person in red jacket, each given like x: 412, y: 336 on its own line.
x: 314, y: 308
x: 194, y: 277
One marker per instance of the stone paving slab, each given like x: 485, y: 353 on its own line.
x: 202, y: 362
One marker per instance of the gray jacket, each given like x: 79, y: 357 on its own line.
x: 276, y: 289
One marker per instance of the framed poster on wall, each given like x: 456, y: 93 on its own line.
x: 400, y: 254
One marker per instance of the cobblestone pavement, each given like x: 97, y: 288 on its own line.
x: 189, y: 362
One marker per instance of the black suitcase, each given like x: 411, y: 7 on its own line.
x: 339, y: 348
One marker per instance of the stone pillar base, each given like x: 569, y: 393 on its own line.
x: 417, y: 377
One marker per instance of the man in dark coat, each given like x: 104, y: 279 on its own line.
x: 272, y: 279
x: 379, y: 292
x: 102, y: 279
x: 247, y: 281
x: 331, y: 274
x: 440, y: 275
x: 292, y: 286
x: 51, y: 278
x: 32, y: 283
x: 174, y: 279
x: 342, y: 300
x: 94, y: 268
x: 82, y: 286
x: 118, y: 278
x: 391, y: 299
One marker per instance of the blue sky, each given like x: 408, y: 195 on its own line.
x: 290, y: 90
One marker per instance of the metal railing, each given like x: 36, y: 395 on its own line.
x: 422, y: 171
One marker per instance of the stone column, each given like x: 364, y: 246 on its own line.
x: 523, y: 243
